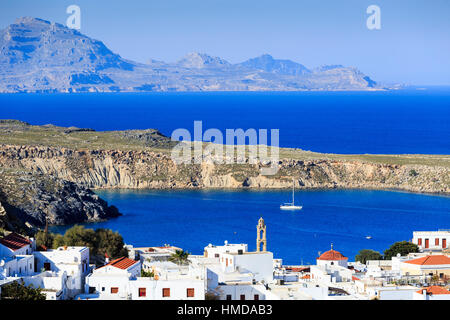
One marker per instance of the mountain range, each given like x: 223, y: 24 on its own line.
x: 41, y: 56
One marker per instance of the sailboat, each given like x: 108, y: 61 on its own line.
x: 291, y: 206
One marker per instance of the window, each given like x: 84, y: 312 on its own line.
x: 427, y: 243
x: 242, y: 296
x: 256, y: 297
x: 114, y: 289
x: 436, y: 242
x: 166, y: 292
x: 228, y: 296
x: 47, y: 266
x: 216, y: 255
x: 226, y: 262
x: 444, y: 243
x: 142, y: 292
x: 190, y: 292
x: 419, y: 241
x: 103, y: 288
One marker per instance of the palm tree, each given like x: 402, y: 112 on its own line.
x: 180, y: 257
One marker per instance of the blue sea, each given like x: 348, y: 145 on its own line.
x: 406, y: 121
x: 193, y: 219
x: 397, y: 122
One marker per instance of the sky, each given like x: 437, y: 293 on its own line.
x: 412, y: 46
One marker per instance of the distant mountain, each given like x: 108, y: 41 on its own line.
x: 200, y: 60
x: 267, y: 63
x: 40, y: 56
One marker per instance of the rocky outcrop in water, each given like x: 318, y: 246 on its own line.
x: 29, y: 198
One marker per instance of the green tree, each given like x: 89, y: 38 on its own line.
x: 43, y: 239
x: 110, y: 242
x: 100, y: 241
x: 80, y: 236
x: 58, y: 241
x: 149, y: 274
x: 402, y: 247
x: 18, y: 291
x: 367, y: 254
x: 180, y: 257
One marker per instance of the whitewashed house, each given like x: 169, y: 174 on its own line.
x: 432, y: 240
x: 74, y: 261
x: 432, y: 293
x: 16, y: 257
x: 120, y: 279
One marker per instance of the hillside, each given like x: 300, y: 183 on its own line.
x: 142, y: 159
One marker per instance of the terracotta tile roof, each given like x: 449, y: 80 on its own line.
x: 355, y: 278
x: 332, y: 255
x: 14, y: 241
x: 121, y: 263
x: 431, y: 260
x: 306, y: 276
x: 435, y: 290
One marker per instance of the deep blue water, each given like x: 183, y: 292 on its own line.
x: 409, y: 121
x: 193, y: 219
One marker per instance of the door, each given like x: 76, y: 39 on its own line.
x: 427, y: 243
x: 444, y: 243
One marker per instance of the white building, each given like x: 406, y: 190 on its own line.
x: 432, y: 240
x: 432, y: 293
x: 331, y: 267
x: 16, y: 257
x: 74, y: 261
x: 120, y: 279
x: 212, y: 251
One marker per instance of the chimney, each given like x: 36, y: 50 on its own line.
x: 106, y: 258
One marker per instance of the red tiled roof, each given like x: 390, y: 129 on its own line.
x: 431, y: 260
x: 121, y: 263
x: 14, y: 241
x: 355, y: 278
x: 332, y: 255
x: 434, y: 290
x: 306, y: 276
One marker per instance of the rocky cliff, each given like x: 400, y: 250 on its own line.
x: 150, y: 169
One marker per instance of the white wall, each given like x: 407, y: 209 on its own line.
x: 129, y: 288
x: 235, y: 291
x: 259, y: 264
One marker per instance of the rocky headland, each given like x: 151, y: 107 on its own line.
x: 48, y: 171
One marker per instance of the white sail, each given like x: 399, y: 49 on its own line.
x: 291, y: 206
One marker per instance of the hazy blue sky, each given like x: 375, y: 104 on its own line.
x: 413, y: 45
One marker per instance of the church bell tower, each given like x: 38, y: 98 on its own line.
x: 261, y: 236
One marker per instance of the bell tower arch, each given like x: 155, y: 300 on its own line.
x: 261, y: 239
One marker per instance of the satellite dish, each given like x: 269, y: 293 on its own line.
x: 2, y: 263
